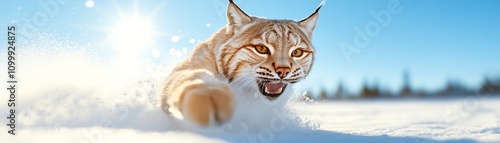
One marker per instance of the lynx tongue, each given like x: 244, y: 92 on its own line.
x: 274, y: 87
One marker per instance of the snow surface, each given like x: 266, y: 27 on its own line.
x: 74, y: 96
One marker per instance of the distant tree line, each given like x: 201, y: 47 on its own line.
x: 489, y: 86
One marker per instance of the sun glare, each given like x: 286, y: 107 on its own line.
x: 131, y: 34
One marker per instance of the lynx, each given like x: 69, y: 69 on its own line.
x: 250, y: 56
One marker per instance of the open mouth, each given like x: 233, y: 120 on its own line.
x: 272, y: 90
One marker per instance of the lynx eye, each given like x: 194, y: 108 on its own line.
x: 262, y: 49
x: 297, y: 53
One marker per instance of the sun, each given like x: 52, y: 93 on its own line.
x: 131, y: 34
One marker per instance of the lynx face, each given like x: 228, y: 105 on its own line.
x: 249, y: 56
x: 266, y: 55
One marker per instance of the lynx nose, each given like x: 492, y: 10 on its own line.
x: 282, y: 71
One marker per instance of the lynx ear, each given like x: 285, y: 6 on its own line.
x: 309, y: 23
x: 235, y: 17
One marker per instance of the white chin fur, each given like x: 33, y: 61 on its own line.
x: 254, y: 111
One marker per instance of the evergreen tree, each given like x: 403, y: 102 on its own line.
x: 323, y: 95
x: 406, y: 89
x: 489, y: 87
x: 340, y: 93
x: 367, y: 92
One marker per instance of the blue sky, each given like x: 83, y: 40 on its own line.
x: 435, y: 40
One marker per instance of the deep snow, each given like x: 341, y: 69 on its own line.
x: 416, y: 121
x: 73, y: 96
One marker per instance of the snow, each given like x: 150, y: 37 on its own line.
x: 175, y: 39
x: 73, y: 97
x: 429, y: 120
x: 417, y: 121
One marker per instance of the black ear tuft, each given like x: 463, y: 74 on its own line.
x: 315, y: 12
x: 309, y: 23
x: 236, y: 17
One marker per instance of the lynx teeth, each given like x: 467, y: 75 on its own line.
x: 279, y: 91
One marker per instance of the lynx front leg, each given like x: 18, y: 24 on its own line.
x: 201, y: 98
x: 206, y: 102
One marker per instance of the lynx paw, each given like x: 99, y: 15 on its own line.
x: 204, y: 104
